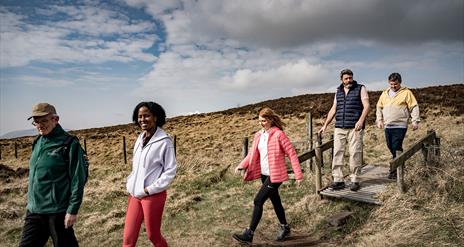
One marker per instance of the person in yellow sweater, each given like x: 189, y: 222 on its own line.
x: 394, y: 108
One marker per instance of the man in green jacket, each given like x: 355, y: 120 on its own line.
x: 57, y: 175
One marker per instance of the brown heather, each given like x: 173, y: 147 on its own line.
x: 207, y: 203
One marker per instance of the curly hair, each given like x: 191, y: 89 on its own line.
x: 154, y: 108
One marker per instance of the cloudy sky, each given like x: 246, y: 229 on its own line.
x: 95, y: 60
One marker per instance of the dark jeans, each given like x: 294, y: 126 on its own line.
x: 395, y: 137
x: 39, y: 227
x: 268, y: 190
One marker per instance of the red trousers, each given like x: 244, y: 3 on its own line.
x: 150, y: 210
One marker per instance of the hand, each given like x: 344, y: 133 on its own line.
x: 415, y: 125
x: 380, y: 124
x: 69, y: 220
x: 322, y: 130
x: 237, y: 170
x: 298, y: 182
x: 358, y: 125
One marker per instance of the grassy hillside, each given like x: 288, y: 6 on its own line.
x: 206, y: 203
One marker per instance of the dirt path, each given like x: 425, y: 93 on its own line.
x: 295, y: 239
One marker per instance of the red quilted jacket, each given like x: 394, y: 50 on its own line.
x: 277, y: 147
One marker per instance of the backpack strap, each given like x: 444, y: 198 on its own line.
x: 66, y: 145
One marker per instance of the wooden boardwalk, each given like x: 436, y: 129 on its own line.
x: 373, y: 180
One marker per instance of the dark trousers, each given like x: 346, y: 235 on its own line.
x: 268, y: 190
x: 39, y: 227
x: 395, y: 137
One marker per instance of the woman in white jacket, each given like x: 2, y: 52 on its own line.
x: 153, y: 169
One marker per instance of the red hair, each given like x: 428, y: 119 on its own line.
x: 270, y: 115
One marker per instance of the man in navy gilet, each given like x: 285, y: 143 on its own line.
x: 350, y: 108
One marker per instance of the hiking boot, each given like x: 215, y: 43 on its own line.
x: 245, y: 238
x: 392, y: 174
x: 337, y: 185
x: 355, y: 186
x: 282, y: 232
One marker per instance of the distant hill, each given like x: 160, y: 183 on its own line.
x: 434, y: 99
x: 19, y: 133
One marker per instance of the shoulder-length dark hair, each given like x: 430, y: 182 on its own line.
x: 154, y: 108
x: 270, y: 115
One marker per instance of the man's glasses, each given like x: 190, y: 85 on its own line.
x: 41, y: 121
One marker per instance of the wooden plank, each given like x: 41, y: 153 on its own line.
x: 307, y: 155
x: 411, y: 151
x: 365, y: 194
x: 366, y: 199
x: 327, y: 145
x: 373, y: 182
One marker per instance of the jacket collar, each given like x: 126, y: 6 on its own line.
x: 159, y: 135
x: 397, y: 92
x: 58, y: 130
x: 270, y: 131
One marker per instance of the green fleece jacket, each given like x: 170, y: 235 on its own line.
x: 56, y: 186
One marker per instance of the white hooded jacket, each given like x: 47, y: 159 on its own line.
x: 153, y: 166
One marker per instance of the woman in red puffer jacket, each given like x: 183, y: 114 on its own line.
x: 266, y: 160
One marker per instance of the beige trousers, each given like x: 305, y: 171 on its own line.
x: 355, y: 142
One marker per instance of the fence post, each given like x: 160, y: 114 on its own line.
x: 437, y: 149
x: 309, y: 125
x: 425, y: 153
x: 124, y: 149
x: 16, y: 149
x: 318, y: 164
x: 400, y: 178
x: 85, y: 145
x: 175, y: 145
x: 245, y: 147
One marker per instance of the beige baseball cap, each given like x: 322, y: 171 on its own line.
x: 42, y: 109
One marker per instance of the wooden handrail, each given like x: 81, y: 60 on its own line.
x: 398, y: 163
x: 317, y: 153
x: 428, y: 139
x: 312, y: 153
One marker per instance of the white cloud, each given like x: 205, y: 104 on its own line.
x: 43, y: 82
x: 290, y: 76
x: 76, y: 39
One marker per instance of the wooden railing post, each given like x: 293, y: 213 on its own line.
x: 318, y: 163
x: 400, y: 178
x: 245, y: 147
x: 124, y: 149
x: 309, y: 125
x: 85, y: 145
x: 425, y: 153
